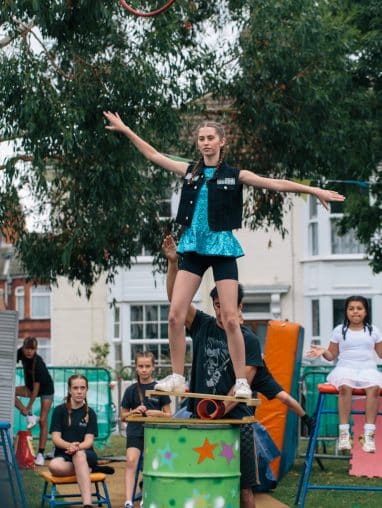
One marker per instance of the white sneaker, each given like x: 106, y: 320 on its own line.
x: 40, y: 461
x: 32, y: 421
x: 344, y: 442
x: 172, y: 383
x: 368, y: 443
x: 128, y: 505
x: 242, y: 389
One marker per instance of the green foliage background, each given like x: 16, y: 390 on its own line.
x: 303, y: 84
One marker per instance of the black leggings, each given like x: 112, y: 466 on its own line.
x: 223, y: 267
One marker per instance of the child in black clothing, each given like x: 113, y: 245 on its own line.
x: 73, y: 428
x: 135, y: 402
x: 38, y: 383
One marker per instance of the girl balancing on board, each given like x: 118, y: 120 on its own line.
x: 210, y: 208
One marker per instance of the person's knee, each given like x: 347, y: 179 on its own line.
x: 373, y: 392
x: 43, y: 421
x: 57, y: 467
x: 345, y: 390
x: 247, y: 498
x: 230, y: 321
x: 79, y: 457
x: 131, y: 464
x: 175, y: 319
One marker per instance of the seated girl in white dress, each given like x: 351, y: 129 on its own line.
x: 356, y: 343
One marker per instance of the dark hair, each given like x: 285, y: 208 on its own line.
x: 68, y: 402
x: 30, y: 343
x: 200, y: 163
x: 240, y: 294
x: 366, y: 321
x: 143, y: 354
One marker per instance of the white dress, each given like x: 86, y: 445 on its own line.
x: 357, y: 359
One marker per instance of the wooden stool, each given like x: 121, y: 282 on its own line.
x: 55, y: 499
x: 304, y: 485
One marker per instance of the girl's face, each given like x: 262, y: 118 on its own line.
x: 356, y: 313
x: 209, y: 142
x: 145, y: 369
x: 78, y: 390
x: 29, y: 352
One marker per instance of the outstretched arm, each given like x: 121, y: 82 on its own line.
x: 169, y: 249
x: 329, y: 354
x: 281, y: 185
x: 116, y: 124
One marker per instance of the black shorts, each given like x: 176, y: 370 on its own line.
x: 91, y: 457
x: 248, y: 460
x: 135, y: 442
x: 223, y: 267
x: 265, y: 383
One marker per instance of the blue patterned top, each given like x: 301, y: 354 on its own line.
x: 199, y: 238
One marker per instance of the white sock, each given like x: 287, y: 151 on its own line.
x: 344, y: 427
x: 369, y: 428
x: 241, y: 379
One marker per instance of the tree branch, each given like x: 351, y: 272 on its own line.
x: 25, y: 158
x: 28, y: 29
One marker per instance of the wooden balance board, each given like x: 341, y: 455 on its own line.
x: 209, y: 396
x: 197, y: 421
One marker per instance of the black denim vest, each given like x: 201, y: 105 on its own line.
x: 225, y: 199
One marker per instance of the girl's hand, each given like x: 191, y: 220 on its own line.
x: 24, y: 411
x: 116, y: 124
x: 325, y: 196
x: 73, y: 448
x: 140, y: 410
x: 315, y: 352
x: 169, y: 248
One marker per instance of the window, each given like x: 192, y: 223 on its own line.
x: 40, y: 302
x: 20, y: 301
x: 339, y: 311
x: 344, y: 244
x: 116, y: 323
x: 149, y: 331
x: 315, y: 318
x: 313, y: 238
x: 257, y: 307
x: 313, y: 227
x: 118, y: 363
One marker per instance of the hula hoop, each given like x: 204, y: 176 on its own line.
x: 141, y: 14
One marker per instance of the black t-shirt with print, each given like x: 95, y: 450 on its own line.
x: 78, y: 428
x: 40, y: 375
x: 212, y: 369
x: 132, y: 399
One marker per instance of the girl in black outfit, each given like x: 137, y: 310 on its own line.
x: 135, y: 402
x: 38, y: 383
x: 73, y: 428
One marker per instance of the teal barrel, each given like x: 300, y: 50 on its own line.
x: 191, y: 465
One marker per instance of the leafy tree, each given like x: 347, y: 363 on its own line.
x: 308, y: 104
x: 62, y: 63
x: 304, y: 81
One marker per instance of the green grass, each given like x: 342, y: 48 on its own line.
x: 335, y: 473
